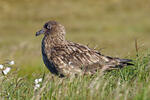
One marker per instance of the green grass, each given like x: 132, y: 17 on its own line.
x: 130, y: 83
x: 111, y: 25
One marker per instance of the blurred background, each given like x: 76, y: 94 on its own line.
x: 110, y: 25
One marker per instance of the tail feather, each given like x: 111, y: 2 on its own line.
x: 116, y: 63
x: 120, y: 63
x: 125, y: 62
x: 129, y: 64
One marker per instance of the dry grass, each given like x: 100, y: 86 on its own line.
x: 130, y: 83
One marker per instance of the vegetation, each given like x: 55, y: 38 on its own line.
x: 110, y: 25
x: 130, y: 83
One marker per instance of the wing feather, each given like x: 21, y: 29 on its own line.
x: 74, y: 56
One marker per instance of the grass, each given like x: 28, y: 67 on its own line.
x: 111, y: 25
x: 130, y: 83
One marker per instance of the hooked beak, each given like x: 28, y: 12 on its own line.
x: 40, y: 32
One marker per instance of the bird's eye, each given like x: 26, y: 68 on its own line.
x: 47, y: 26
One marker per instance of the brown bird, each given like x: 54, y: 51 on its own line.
x: 65, y: 58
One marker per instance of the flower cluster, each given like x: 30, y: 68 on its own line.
x: 5, y: 67
x: 37, y: 83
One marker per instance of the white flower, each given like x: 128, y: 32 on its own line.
x: 1, y: 66
x: 40, y: 80
x: 11, y: 62
x: 36, y: 81
x: 36, y: 86
x: 6, y: 70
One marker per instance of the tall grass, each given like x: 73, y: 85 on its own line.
x: 130, y: 83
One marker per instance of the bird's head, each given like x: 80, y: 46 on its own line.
x: 52, y: 28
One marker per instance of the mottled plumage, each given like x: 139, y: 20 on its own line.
x: 66, y: 58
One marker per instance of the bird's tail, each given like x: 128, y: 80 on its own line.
x: 116, y: 63
x: 124, y: 62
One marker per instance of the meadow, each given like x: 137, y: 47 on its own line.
x: 112, y: 26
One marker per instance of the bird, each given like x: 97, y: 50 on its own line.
x: 65, y: 58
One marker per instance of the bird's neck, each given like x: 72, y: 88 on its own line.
x: 54, y: 40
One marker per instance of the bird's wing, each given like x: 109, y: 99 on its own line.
x: 75, y: 56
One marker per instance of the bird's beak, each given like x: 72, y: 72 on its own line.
x: 40, y: 32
